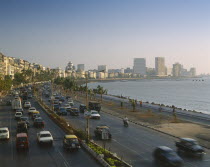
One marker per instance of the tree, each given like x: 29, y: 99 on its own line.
x: 101, y: 91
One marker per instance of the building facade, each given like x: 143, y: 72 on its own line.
x: 160, y: 66
x: 139, y: 66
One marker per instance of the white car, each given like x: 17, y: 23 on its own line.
x: 94, y: 114
x: 71, y: 103
x: 44, y: 137
x: 4, y: 133
x: 18, y: 115
x: 27, y: 104
x: 31, y: 110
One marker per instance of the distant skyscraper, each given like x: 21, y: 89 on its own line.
x: 139, y: 66
x: 102, y: 68
x: 80, y: 67
x: 160, y: 66
x: 177, y: 68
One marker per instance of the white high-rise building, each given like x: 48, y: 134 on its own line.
x: 139, y: 66
x: 160, y: 68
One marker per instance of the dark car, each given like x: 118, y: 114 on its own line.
x: 74, y: 112
x: 62, y: 111
x: 165, y: 156
x: 30, y: 96
x: 56, y: 107
x: 38, y: 123
x: 68, y: 97
x: 22, y: 127
x: 35, y: 115
x: 70, y: 142
x: 22, y: 141
x: 102, y: 132
x: 25, y: 119
x: 94, y: 105
x: 62, y: 99
x: 190, y: 147
x: 82, y: 108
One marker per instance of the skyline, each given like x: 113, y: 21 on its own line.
x: 95, y: 32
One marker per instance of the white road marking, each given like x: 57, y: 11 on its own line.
x: 65, y: 161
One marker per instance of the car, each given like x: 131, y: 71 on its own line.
x: 74, y: 112
x: 68, y: 97
x: 70, y: 142
x: 27, y: 104
x: 19, y: 110
x: 31, y: 110
x: 62, y: 99
x: 82, y: 108
x: 30, y: 96
x: 38, y: 123
x: 4, y: 133
x: 22, y: 127
x: 190, y: 147
x: 25, y: 119
x: 66, y: 105
x: 102, y: 132
x: 18, y: 115
x: 71, y: 102
x: 62, y: 111
x: 44, y: 137
x: 56, y: 101
x: 35, y: 115
x: 22, y: 141
x: 165, y: 156
x: 94, y: 114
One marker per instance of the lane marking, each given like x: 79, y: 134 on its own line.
x: 65, y: 161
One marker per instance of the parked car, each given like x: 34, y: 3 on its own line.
x: 25, y: 119
x: 70, y: 142
x: 165, y: 156
x: 4, y: 133
x: 102, y: 132
x: 44, y: 137
x: 22, y: 127
x: 94, y: 114
x: 27, y: 104
x: 38, y: 122
x: 62, y: 111
x: 18, y: 115
x: 82, y: 108
x: 22, y: 141
x: 74, y: 112
x: 190, y: 147
x: 31, y: 110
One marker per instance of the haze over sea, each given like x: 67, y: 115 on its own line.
x: 183, y: 93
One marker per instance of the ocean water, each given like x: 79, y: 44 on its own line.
x: 183, y: 93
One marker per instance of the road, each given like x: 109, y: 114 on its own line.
x: 134, y: 144
x: 38, y: 156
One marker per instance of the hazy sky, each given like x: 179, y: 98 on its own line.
x: 111, y: 32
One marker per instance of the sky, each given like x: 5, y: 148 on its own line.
x: 110, y: 32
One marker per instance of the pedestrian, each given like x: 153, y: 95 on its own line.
x: 140, y: 103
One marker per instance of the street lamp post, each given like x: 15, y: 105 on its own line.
x: 87, y: 117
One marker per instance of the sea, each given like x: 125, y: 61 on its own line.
x: 190, y: 94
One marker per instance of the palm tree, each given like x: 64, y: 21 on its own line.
x: 101, y: 91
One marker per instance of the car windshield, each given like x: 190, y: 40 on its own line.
x: 94, y: 112
x: 45, y: 135
x: 72, y: 141
x: 38, y: 120
x: 3, y: 131
x: 171, y: 153
x: 32, y: 109
x: 19, y: 113
x: 24, y: 118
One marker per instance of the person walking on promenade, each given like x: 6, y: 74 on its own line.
x: 140, y: 103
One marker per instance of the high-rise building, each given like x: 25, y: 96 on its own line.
x: 80, y: 67
x: 102, y: 68
x: 139, y: 66
x: 160, y: 68
x: 177, y: 68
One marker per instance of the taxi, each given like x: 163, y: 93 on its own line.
x: 70, y: 142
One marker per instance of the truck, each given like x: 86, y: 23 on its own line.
x: 94, y: 105
x: 16, y: 103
